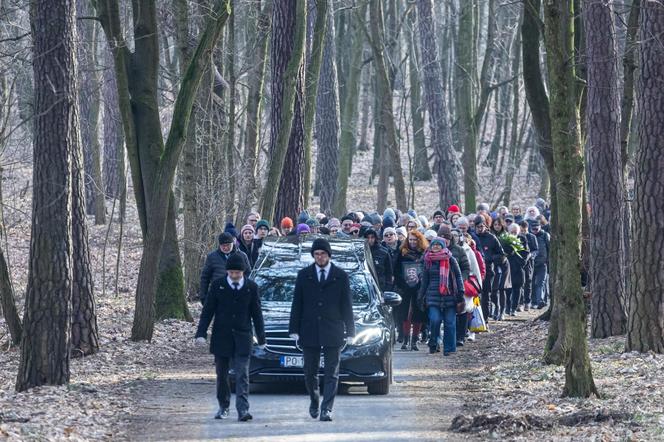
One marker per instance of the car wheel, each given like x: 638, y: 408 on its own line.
x: 382, y: 387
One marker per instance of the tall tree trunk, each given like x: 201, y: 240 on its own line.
x: 84, y: 334
x: 114, y: 151
x: 605, y: 185
x: 363, y: 144
x: 515, y: 140
x: 422, y: 171
x: 439, y: 120
x: 568, y: 168
x: 464, y: 102
x: 645, y: 326
x: 327, y: 123
x: 289, y: 21
x: 248, y: 188
x: 290, y: 200
x: 348, y: 114
x: 311, y: 90
x: 231, y: 172
x: 384, y: 92
x: 7, y: 301
x: 46, y: 334
x: 152, y: 161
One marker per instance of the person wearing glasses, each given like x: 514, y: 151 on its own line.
x: 321, y: 321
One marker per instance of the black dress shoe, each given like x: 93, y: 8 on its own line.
x: 222, y: 413
x: 326, y: 416
x: 245, y: 417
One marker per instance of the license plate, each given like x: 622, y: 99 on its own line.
x: 296, y: 361
x: 292, y: 361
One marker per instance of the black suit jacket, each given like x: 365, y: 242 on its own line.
x: 233, y: 312
x: 322, y: 314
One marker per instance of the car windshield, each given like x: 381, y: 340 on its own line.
x: 277, y: 285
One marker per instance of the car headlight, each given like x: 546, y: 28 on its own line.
x: 367, y: 336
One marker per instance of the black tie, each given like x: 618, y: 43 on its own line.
x: 236, y: 285
x: 322, y: 276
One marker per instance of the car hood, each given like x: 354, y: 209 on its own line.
x: 278, y: 313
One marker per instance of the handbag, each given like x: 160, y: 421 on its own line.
x: 471, y: 287
x: 477, y: 322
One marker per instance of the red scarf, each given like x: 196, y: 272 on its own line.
x: 443, y: 257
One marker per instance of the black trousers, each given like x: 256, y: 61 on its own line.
x: 485, y: 300
x: 241, y: 367
x: 331, y: 358
x: 528, y: 282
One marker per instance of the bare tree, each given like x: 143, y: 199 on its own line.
x: 645, y: 330
x: 152, y: 160
x: 47, y: 320
x: 605, y: 181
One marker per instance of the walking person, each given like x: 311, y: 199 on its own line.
x: 440, y: 293
x: 493, y: 254
x: 541, y: 264
x: 407, y: 274
x: 215, y: 263
x: 381, y: 259
x: 528, y: 269
x: 517, y: 261
x: 321, y: 321
x: 249, y: 245
x: 234, y: 304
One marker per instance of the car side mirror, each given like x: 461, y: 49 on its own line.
x: 391, y: 298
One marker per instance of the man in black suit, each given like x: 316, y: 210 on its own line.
x: 322, y: 319
x: 234, y: 304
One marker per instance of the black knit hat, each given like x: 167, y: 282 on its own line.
x: 321, y: 244
x: 226, y: 238
x: 235, y: 262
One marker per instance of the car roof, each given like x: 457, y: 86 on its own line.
x: 294, y: 252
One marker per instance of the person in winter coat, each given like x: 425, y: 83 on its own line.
x: 381, y: 259
x: 517, y: 261
x: 249, y: 245
x: 529, y: 267
x: 215, y: 263
x: 407, y: 274
x: 541, y: 263
x: 321, y: 320
x: 459, y: 254
x: 391, y: 243
x: 494, y: 259
x: 501, y: 281
x: 286, y: 226
x: 441, y: 291
x: 234, y: 304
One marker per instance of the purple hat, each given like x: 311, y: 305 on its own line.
x: 303, y: 228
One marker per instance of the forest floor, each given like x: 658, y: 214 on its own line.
x: 498, y: 385
x: 495, y: 388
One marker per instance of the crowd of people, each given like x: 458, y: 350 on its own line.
x: 500, y: 257
x: 487, y: 264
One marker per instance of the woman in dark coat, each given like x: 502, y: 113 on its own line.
x: 517, y: 270
x: 440, y: 292
x: 407, y: 274
x: 501, y: 281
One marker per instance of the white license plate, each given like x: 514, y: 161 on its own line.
x: 292, y: 361
x: 296, y: 361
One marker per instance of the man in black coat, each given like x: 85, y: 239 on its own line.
x: 494, y: 258
x: 322, y: 319
x: 381, y: 260
x: 215, y: 263
x: 234, y: 304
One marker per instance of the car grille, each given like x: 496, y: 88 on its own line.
x: 278, y: 341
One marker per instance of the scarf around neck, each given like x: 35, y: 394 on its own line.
x: 443, y: 258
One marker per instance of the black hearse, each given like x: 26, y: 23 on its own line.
x: 368, y: 359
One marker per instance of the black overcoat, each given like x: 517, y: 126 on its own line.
x: 233, y: 312
x: 322, y: 314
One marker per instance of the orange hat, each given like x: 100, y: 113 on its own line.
x: 287, y: 223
